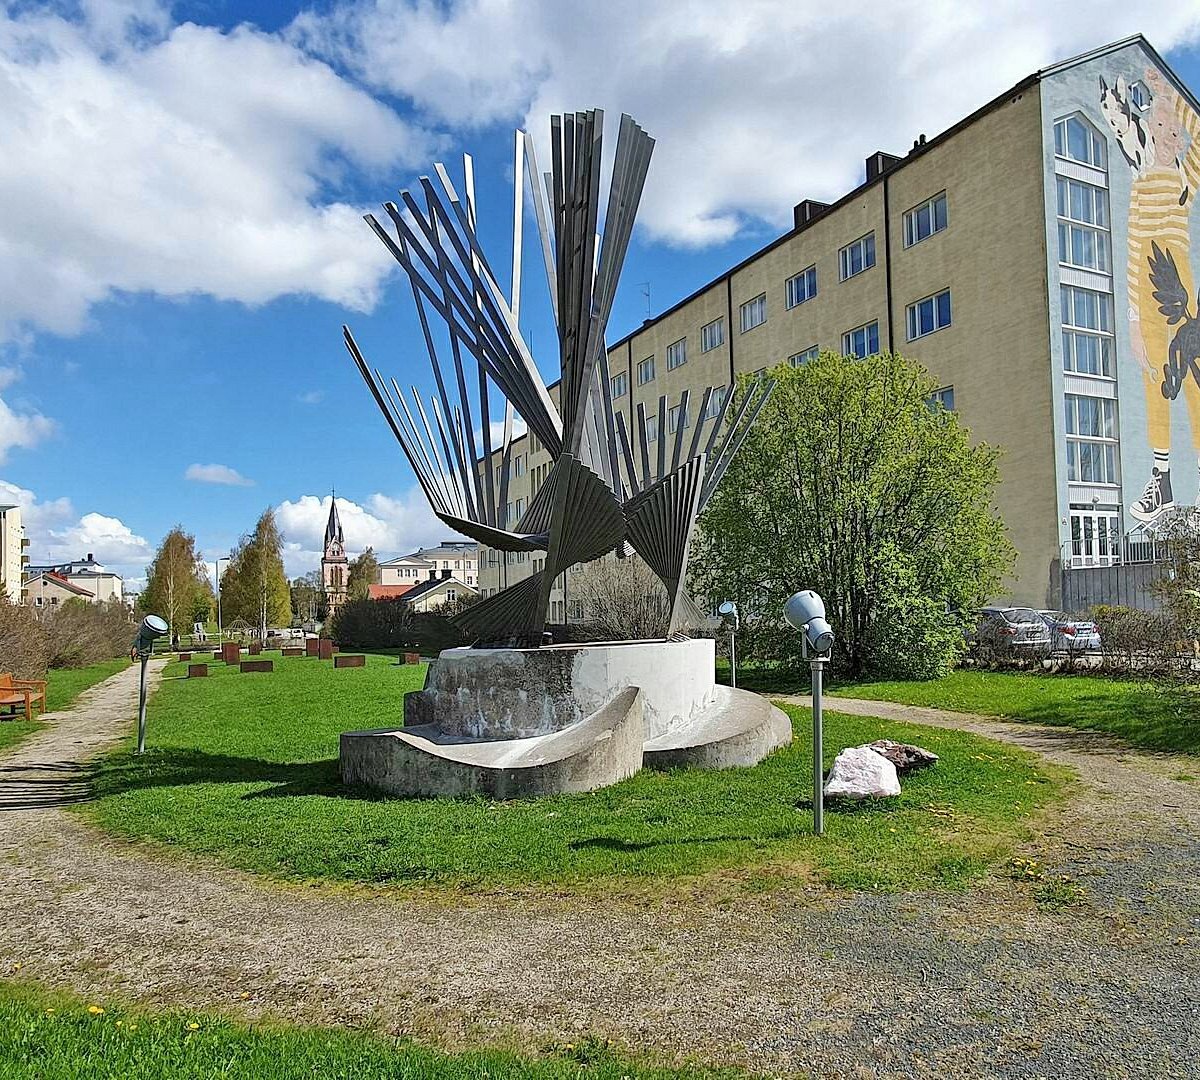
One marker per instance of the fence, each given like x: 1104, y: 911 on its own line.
x: 1130, y: 584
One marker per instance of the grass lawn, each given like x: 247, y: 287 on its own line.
x: 54, y: 1037
x: 63, y: 686
x: 244, y: 768
x: 1141, y: 714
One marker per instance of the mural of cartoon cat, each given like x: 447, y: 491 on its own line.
x: 1161, y: 144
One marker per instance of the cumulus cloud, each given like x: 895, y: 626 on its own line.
x: 391, y: 525
x: 57, y: 533
x: 755, y: 105
x: 140, y: 156
x: 216, y: 474
x: 19, y: 428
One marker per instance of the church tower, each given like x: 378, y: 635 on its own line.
x: 334, y: 565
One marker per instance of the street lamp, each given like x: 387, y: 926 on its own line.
x: 729, y: 609
x: 806, y: 612
x: 153, y: 626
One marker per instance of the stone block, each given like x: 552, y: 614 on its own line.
x: 349, y: 660
x: 255, y: 649
x: 197, y: 671
x: 231, y: 652
x: 292, y: 650
x: 258, y: 665
x: 312, y: 646
x: 184, y: 656
x: 325, y: 649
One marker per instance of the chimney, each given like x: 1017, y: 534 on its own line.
x: 918, y: 142
x: 433, y: 574
x: 879, y: 163
x: 89, y: 558
x: 445, y: 574
x: 806, y: 210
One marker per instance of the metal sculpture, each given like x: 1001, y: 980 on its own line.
x: 605, y: 489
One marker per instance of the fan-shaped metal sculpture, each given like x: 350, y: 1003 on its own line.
x: 605, y: 488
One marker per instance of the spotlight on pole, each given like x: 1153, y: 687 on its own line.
x: 153, y: 626
x: 729, y: 610
x: 806, y: 612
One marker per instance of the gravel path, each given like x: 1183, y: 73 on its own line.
x: 803, y: 982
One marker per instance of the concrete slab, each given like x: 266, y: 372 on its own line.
x: 425, y: 761
x: 739, y: 728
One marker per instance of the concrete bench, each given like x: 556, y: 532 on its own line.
x: 349, y: 660
x: 21, y: 693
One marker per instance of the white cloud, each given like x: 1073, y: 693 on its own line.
x: 311, y: 397
x: 19, y: 429
x: 216, y: 474
x: 140, y: 156
x: 391, y: 525
x: 58, y: 534
x: 754, y: 105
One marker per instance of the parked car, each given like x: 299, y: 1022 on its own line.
x: 1071, y: 635
x: 1020, y: 631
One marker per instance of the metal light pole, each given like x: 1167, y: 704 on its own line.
x: 727, y: 609
x: 217, y: 573
x: 806, y: 612
x: 153, y: 626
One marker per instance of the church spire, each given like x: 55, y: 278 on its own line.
x: 333, y: 527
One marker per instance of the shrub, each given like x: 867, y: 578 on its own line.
x: 24, y: 643
x: 622, y: 599
x: 82, y: 633
x: 911, y: 636
x: 1131, y: 638
x: 391, y: 624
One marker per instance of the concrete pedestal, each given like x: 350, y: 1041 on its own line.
x: 513, y: 723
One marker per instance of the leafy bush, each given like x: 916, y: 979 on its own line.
x: 82, y: 633
x: 911, y: 636
x: 391, y: 624
x: 24, y: 643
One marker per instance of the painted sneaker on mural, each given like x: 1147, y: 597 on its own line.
x: 1156, y: 499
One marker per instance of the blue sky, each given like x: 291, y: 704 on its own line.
x: 183, y: 186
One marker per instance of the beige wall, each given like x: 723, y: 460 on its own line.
x: 11, y: 550
x: 995, y: 353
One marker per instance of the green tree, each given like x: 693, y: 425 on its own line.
x: 308, y: 598
x: 176, y: 581
x: 364, y: 571
x: 853, y: 484
x: 255, y: 587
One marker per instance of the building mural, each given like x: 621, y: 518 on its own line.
x: 1123, y: 160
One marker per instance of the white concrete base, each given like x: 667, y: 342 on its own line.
x: 511, y: 723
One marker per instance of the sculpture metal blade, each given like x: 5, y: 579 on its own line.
x: 604, y: 486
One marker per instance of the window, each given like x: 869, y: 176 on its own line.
x: 575, y: 610
x: 712, y: 334
x: 1140, y: 97
x: 676, y: 416
x: 754, y: 312
x: 1095, y: 537
x: 645, y: 371
x: 923, y: 221
x: 861, y: 341
x: 1091, y: 424
x: 801, y: 287
x: 651, y: 428
x: 677, y: 354
x: 715, y: 401
x: 619, y: 384
x: 1087, y: 331
x: 857, y: 257
x: 808, y: 355
x: 451, y: 595
x: 928, y: 315
x: 1083, y: 225
x: 518, y: 465
x: 943, y: 397
x: 1076, y: 139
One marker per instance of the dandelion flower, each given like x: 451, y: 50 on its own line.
x: 193, y: 1026
x: 133, y: 1027
x: 119, y: 1024
x: 95, y: 1010
x: 244, y: 994
x: 49, y: 1012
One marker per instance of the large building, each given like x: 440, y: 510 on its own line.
x: 461, y: 557
x: 1036, y: 257
x: 89, y: 579
x: 13, y: 559
x: 335, y: 566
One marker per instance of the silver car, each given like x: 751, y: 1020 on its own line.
x: 1071, y: 635
x: 1019, y: 631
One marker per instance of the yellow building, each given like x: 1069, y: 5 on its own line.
x: 13, y: 557
x: 1009, y: 255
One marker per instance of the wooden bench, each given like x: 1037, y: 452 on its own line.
x: 22, y: 693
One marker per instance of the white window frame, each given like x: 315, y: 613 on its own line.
x: 715, y: 401
x: 712, y: 335
x: 1081, y: 443
x: 673, y: 415
x: 1095, y: 537
x: 801, y: 287
x: 865, y: 329
x: 644, y: 366
x: 677, y: 354
x: 805, y: 356
x: 754, y: 312
x: 912, y: 219
x: 865, y: 244
x: 943, y: 396
x: 912, y: 315
x: 1097, y: 146
x: 651, y: 427
x: 619, y: 385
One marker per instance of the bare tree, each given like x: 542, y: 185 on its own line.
x: 621, y: 598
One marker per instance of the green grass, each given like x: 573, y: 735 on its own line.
x: 63, y: 686
x: 244, y: 768
x: 59, y: 1037
x: 1141, y: 714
